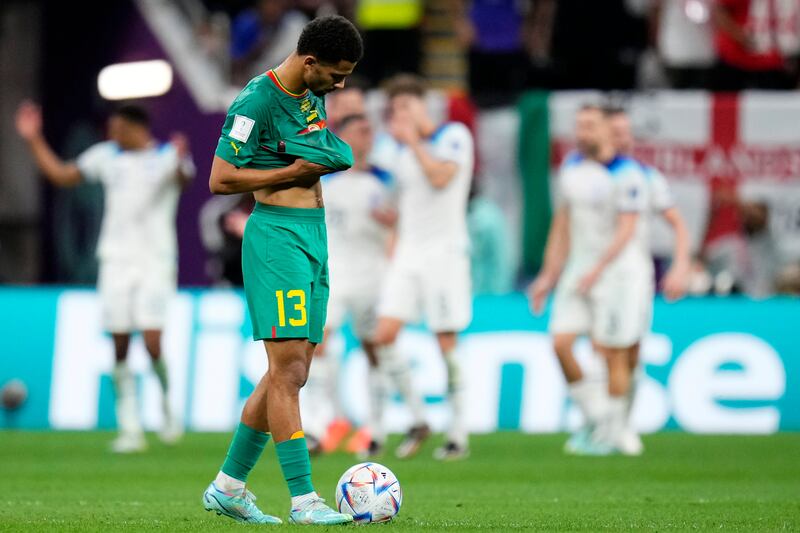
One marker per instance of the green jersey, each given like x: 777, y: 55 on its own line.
x: 269, y: 127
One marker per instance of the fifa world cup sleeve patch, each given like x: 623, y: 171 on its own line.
x: 242, y: 127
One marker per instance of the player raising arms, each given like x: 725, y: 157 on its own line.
x: 605, y: 272
x: 275, y: 144
x: 137, y: 250
x: 432, y: 165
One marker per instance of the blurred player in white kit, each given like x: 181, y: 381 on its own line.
x: 359, y: 218
x: 675, y: 281
x: 142, y: 180
x: 602, y: 271
x: 429, y: 276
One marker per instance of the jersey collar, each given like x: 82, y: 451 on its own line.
x: 276, y: 80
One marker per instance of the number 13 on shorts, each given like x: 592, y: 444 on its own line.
x: 297, y: 298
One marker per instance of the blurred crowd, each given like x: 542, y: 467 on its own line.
x: 723, y: 45
x: 744, y: 256
x: 493, y: 50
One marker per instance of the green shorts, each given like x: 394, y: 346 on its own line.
x: 285, y: 270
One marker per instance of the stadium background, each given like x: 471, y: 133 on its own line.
x: 716, y: 362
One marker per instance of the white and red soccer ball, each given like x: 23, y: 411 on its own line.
x: 370, y: 493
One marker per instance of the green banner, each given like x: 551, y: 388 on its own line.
x: 534, y: 164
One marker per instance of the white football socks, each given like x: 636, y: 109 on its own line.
x: 616, y: 421
x: 398, y: 370
x: 125, y: 400
x: 457, y: 432
x: 299, y: 501
x: 631, y: 395
x: 591, y: 397
x: 228, y: 484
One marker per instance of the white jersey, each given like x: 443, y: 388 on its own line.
x: 431, y: 217
x: 141, y: 198
x: 659, y: 198
x: 659, y: 193
x: 356, y: 241
x: 595, y: 195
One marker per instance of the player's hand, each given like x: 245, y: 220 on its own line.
x: 402, y: 128
x: 588, y: 281
x: 28, y: 120
x: 385, y: 216
x: 307, y: 171
x: 538, y: 291
x: 675, y: 283
x: 235, y: 222
x: 181, y: 143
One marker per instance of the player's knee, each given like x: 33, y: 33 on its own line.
x: 291, y: 374
x: 562, y: 344
x: 384, y: 335
x: 447, y: 341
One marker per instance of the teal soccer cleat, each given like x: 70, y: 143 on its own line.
x: 240, y: 507
x: 316, y: 512
x: 578, y: 441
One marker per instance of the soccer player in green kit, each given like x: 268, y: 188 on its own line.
x: 275, y: 144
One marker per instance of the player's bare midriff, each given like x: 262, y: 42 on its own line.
x: 292, y: 195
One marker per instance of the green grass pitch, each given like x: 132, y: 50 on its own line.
x: 70, y: 482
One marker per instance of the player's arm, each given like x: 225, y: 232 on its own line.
x: 226, y: 178
x: 438, y: 172
x: 555, y: 255
x: 385, y: 216
x: 624, y: 232
x: 29, y: 127
x: 677, y: 278
x: 631, y: 201
x: 186, y: 169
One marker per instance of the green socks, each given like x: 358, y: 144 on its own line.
x: 296, y: 465
x: 245, y: 449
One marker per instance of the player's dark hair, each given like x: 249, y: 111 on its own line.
x: 405, y: 84
x: 614, y: 110
x: 331, y: 39
x: 133, y: 113
x: 591, y: 106
x: 349, y: 119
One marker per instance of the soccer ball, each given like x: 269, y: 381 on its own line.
x: 13, y: 394
x: 370, y: 493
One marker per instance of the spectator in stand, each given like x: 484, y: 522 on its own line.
x: 682, y: 34
x: 595, y: 44
x: 493, y: 31
x: 746, y: 261
x: 392, y: 38
x: 788, y: 281
x: 757, y: 43
x: 263, y: 36
x: 758, y: 279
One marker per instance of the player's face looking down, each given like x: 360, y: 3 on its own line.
x: 621, y: 136
x: 127, y: 134
x: 322, y: 78
x: 591, y: 132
